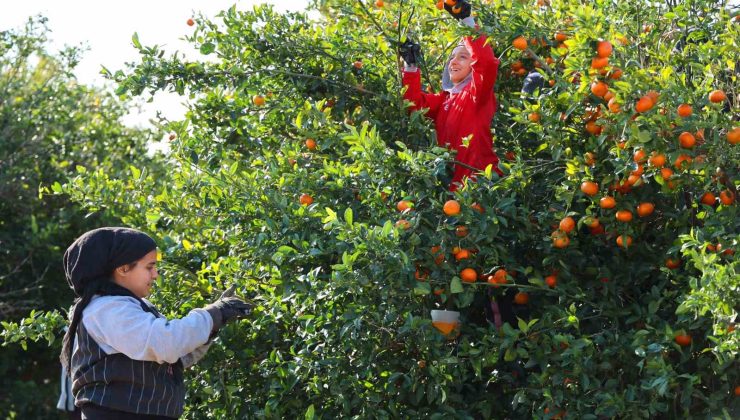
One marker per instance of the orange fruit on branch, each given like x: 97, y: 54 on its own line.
x: 685, y: 110
x: 614, y: 106
x: 591, y: 221
x: 594, y: 128
x: 590, y: 158
x: 644, y: 104
x: 560, y: 239
x: 597, y: 230
x: 258, y: 100
x: 682, y: 340
x: 733, y: 136
x: 687, y: 140
x: 567, y: 224
x: 624, y: 216
x: 499, y: 277
x: 589, y: 188
x: 451, y: 208
x: 604, y: 49
x: 305, y: 199
x: 462, y: 254
x: 461, y: 231
x: 599, y: 88
x: 645, y: 209
x: 682, y: 160
x: 520, y: 43
x: 521, y: 298
x: 639, y: 156
x: 727, y: 197
x: 657, y: 160
x: 624, y: 241
x: 717, y: 96
x: 469, y: 275
x: 551, y: 281
x: 607, y: 202
x: 599, y: 62
x: 708, y: 198
x: 403, y: 224
x: 404, y: 205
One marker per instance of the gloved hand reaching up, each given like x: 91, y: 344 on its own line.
x: 227, y: 308
x: 459, y: 10
x: 410, y: 52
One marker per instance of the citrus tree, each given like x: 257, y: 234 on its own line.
x: 299, y: 175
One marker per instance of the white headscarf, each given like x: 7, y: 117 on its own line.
x: 447, y: 84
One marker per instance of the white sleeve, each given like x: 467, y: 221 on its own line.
x: 194, y: 356
x: 469, y: 21
x: 121, y: 323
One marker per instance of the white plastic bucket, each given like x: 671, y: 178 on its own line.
x: 447, y: 322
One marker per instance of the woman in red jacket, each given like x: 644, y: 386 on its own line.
x: 462, y: 113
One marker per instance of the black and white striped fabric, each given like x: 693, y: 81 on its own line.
x: 115, y: 381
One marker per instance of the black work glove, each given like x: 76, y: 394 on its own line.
x: 226, y: 309
x: 410, y: 52
x: 460, y: 10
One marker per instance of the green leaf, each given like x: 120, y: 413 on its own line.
x: 331, y: 216
x: 456, y: 285
x: 286, y: 249
x: 510, y: 354
x: 422, y: 288
x: 523, y: 326
x: 135, y: 40
x: 135, y: 172
x: 348, y: 216
x: 310, y: 413
x: 207, y: 48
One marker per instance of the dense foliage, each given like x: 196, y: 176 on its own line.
x: 286, y: 179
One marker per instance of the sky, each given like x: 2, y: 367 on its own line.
x: 106, y: 27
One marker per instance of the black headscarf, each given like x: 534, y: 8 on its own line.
x: 88, y: 265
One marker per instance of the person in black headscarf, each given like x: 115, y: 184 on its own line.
x: 126, y: 359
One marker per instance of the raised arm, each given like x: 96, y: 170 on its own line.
x: 420, y: 100
x: 483, y: 61
x: 410, y: 52
x: 484, y: 67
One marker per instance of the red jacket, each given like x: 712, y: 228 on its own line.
x: 459, y: 115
